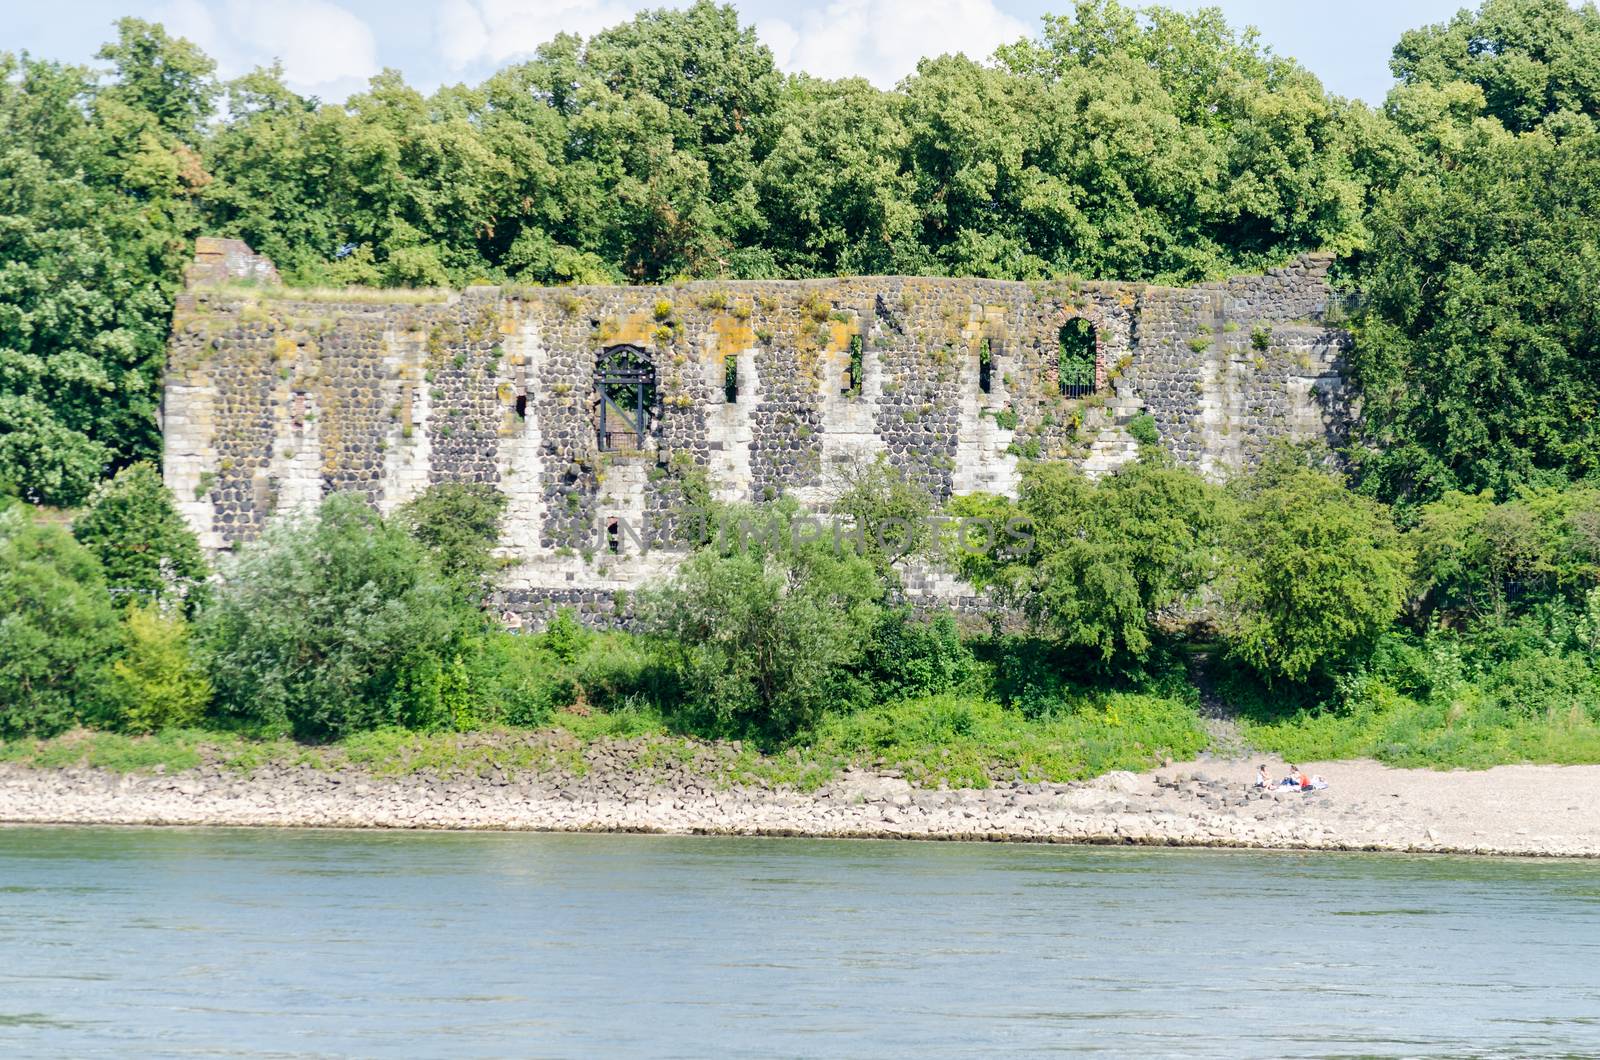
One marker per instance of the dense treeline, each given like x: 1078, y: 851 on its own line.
x: 1430, y: 595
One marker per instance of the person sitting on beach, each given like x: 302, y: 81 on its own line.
x: 1292, y: 780
x: 1261, y: 777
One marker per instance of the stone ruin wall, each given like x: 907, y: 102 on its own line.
x: 276, y: 397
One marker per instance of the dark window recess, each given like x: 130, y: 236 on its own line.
x: 613, y: 537
x: 730, y: 379
x: 985, y: 367
x: 522, y: 406
x: 852, y: 379
x: 1076, y: 366
x: 626, y: 382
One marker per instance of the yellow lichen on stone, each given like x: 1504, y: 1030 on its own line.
x: 636, y: 328
x: 733, y: 336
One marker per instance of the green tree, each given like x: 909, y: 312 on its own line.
x: 459, y: 524
x: 887, y: 511
x: 1529, y: 59
x: 1314, y: 573
x: 335, y: 624
x: 97, y: 196
x: 1104, y: 559
x: 167, y: 78
x: 1482, y: 562
x: 1151, y: 143
x: 765, y: 635
x: 57, y: 628
x: 142, y: 543
x: 156, y: 681
x: 1478, y: 352
x: 835, y: 192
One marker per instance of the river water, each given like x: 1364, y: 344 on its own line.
x: 271, y: 943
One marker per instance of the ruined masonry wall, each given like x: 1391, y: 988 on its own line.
x: 276, y: 397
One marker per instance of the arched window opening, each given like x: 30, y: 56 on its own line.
x: 730, y: 378
x: 985, y: 367
x: 522, y: 406
x: 613, y: 537
x: 626, y: 385
x: 1076, y: 367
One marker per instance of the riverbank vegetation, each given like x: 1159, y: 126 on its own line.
x: 1430, y: 595
x: 1470, y: 638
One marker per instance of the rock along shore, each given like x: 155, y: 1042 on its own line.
x: 1513, y: 810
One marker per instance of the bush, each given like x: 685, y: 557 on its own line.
x: 906, y: 658
x: 459, y: 524
x: 1480, y: 560
x: 518, y: 680
x: 335, y: 624
x: 1143, y: 429
x: 764, y: 639
x: 1106, y: 557
x: 888, y: 511
x: 57, y: 628
x: 156, y: 682
x: 143, y: 545
x: 1315, y: 574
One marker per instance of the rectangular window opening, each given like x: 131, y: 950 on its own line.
x: 852, y: 379
x: 1076, y: 367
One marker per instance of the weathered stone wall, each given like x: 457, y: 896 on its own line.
x: 277, y: 396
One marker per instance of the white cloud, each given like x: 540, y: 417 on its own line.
x: 325, y: 49
x: 882, y: 40
x: 493, y: 31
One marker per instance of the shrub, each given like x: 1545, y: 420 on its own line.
x: 134, y: 530
x: 57, y: 628
x: 1315, y: 574
x: 906, y: 658
x: 564, y: 637
x: 156, y: 682
x: 519, y: 680
x: 1106, y: 557
x: 334, y: 624
x: 459, y: 524
x: 765, y: 638
x: 1142, y: 428
x: 888, y: 511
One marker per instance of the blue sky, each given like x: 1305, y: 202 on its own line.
x: 330, y: 47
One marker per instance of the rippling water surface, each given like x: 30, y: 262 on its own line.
x: 258, y: 943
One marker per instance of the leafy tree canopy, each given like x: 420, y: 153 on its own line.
x: 141, y: 541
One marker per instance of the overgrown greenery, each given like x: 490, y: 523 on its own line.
x: 57, y: 629
x: 459, y: 524
x: 765, y: 633
x: 1440, y: 603
x: 333, y: 624
x: 143, y: 545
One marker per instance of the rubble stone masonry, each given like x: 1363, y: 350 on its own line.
x: 278, y: 396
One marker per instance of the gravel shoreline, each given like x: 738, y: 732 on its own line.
x: 1545, y: 811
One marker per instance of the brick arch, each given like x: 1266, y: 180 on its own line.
x: 1099, y: 319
